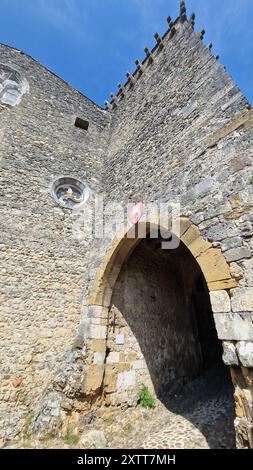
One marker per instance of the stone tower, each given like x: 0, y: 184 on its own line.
x: 86, y: 317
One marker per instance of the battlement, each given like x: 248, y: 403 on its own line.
x: 151, y: 55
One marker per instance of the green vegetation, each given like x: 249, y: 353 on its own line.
x: 146, y: 399
x: 108, y: 419
x: 251, y: 180
x: 71, y: 439
x: 28, y: 422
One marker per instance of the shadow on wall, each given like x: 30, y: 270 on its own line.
x: 161, y: 306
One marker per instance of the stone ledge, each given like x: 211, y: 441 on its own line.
x: 221, y: 285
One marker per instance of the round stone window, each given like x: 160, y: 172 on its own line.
x: 70, y: 192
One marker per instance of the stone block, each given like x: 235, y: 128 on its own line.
x: 96, y: 311
x: 231, y: 243
x: 221, y: 285
x: 122, y: 367
x: 132, y: 356
x: 98, y: 345
x: 190, y: 235
x: 126, y: 380
x: 99, y: 358
x: 110, y: 380
x: 214, y: 266
x: 236, y: 271
x: 184, y: 225
x: 139, y: 365
x: 220, y: 301
x: 221, y: 231
x: 236, y: 254
x: 242, y: 299
x: 248, y: 272
x: 93, y: 331
x: 245, y: 353
x: 234, y: 326
x: 113, y: 358
x: 93, y: 379
x: 229, y: 354
x: 199, y: 246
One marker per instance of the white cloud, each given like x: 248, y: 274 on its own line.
x: 65, y: 15
x: 223, y: 20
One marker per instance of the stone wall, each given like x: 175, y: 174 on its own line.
x: 44, y: 269
x: 181, y: 130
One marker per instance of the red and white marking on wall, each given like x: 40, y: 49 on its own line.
x: 135, y: 212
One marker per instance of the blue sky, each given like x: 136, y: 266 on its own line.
x: 92, y: 43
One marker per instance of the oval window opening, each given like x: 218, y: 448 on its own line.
x: 70, y: 193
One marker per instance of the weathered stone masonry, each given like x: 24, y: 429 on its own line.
x: 178, y: 129
x: 44, y: 271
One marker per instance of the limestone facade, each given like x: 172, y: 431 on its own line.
x: 179, y: 129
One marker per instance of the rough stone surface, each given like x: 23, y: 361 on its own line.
x: 113, y: 358
x: 93, y: 440
x: 199, y: 418
x: 99, y: 358
x: 236, y: 271
x: 44, y: 273
x: 245, y: 353
x: 183, y: 132
x: 67, y: 384
x: 242, y: 299
x: 236, y: 254
x: 220, y: 302
x: 234, y: 326
x: 231, y: 243
x: 229, y: 354
x: 247, y: 269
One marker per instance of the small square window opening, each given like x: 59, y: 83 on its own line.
x: 82, y: 123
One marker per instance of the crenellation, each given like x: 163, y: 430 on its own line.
x: 192, y: 20
x: 183, y: 16
x: 122, y: 89
x: 159, y: 40
x: 139, y: 68
x: 172, y: 29
x: 201, y: 34
x: 131, y: 79
x: 149, y: 54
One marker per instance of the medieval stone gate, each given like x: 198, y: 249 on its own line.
x: 116, y: 366
x: 180, y: 129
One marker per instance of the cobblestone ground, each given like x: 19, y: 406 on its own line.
x: 200, y: 418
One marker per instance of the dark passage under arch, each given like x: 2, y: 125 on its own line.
x: 161, y: 311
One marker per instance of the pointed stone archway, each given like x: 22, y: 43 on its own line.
x: 211, y: 261
x: 96, y: 316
